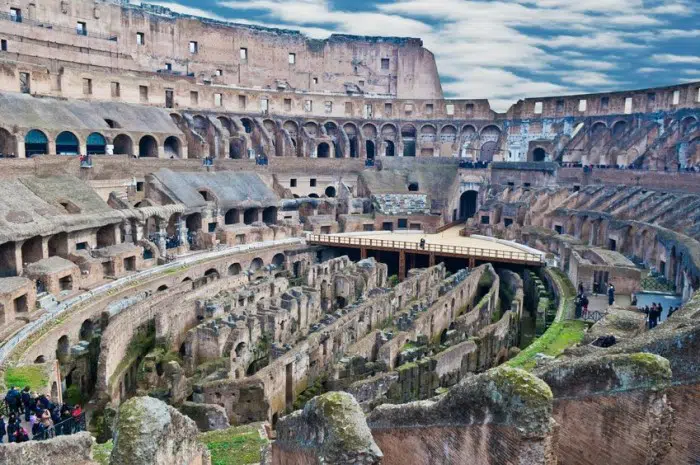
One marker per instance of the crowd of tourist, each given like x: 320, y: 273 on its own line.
x: 44, y: 419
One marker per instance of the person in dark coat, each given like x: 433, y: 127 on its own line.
x: 653, y: 316
x: 3, y: 429
x: 26, y: 402
x: 12, y: 425
x: 611, y: 294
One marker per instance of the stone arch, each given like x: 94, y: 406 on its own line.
x: 330, y: 191
x: 211, y: 274
x: 123, y: 145
x: 619, y: 128
x: 490, y: 132
x: 256, y: 265
x: 240, y: 349
x: 148, y: 147
x: 323, y: 150
x: 86, y: 330
x: 270, y: 126
x: 686, y: 123
x: 176, y: 118
x: 598, y: 129
x: 389, y: 131
x: 234, y: 269
x: 63, y: 347
x: 292, y: 128
x: 162, y: 288
x: 278, y: 260
x: 369, y: 130
x: 35, y: 143
x: 232, y: 216
x: 488, y: 150
x: 539, y: 154
x: 353, y: 141
x: 331, y: 128
x: 40, y: 359
x: 311, y: 128
x: 226, y: 123
x: 408, y: 137
x: 413, y: 187
x: 201, y: 125
x: 32, y: 250
x: 8, y: 143
x: 67, y: 143
x: 448, y: 133
x: 96, y: 144
x: 248, y: 125
x: 269, y: 215
x: 172, y: 147
x: 193, y: 222
x: 468, y: 204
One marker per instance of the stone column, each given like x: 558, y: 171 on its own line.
x: 402, y: 265
x: 19, y: 153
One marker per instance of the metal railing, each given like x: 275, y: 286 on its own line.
x: 475, y: 252
x: 66, y: 427
x: 55, y: 27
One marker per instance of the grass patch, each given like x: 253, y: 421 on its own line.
x: 239, y: 445
x: 33, y: 376
x: 560, y: 336
x: 101, y: 452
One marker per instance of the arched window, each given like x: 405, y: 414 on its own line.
x: 323, y: 150
x: 67, y: 144
x: 539, y: 154
x: 172, y: 147
x: 96, y: 144
x: 35, y: 143
x: 123, y: 145
x: 148, y: 147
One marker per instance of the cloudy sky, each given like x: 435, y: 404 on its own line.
x: 504, y: 50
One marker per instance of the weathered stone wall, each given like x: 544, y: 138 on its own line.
x: 62, y: 450
x: 276, y: 386
x: 501, y: 416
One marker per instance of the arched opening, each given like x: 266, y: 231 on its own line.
x: 278, y: 260
x: 686, y: 124
x: 201, y: 125
x: 86, y: 330
x: 172, y: 147
x: 240, y: 349
x: 148, y: 147
x: 186, y: 280
x: 232, y: 216
x: 413, y: 187
x: 323, y: 150
x: 96, y: 144
x: 194, y: 222
x: 538, y: 154
x: 250, y: 216
x: 211, y: 274
x: 488, y: 150
x: 58, y: 244
x: 256, y: 265
x: 106, y: 236
x: 32, y: 250
x: 389, y: 152
x: 237, y: 148
x: 247, y: 125
x: 8, y: 143
x: 162, y: 288
x: 40, y: 359
x: 62, y: 348
x: 330, y: 191
x: 234, y: 269
x: 123, y: 145
x: 35, y: 143
x: 67, y: 144
x: 619, y: 129
x: 408, y: 134
x: 369, y: 145
x: 112, y: 124
x: 270, y: 215
x: 467, y: 204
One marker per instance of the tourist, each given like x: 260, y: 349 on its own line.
x: 12, y: 399
x: 578, y: 305
x: 12, y: 425
x: 422, y: 243
x: 77, y: 414
x: 660, y: 311
x: 584, y: 304
x: 33, y: 421
x: 26, y: 402
x: 21, y: 435
x: 611, y: 294
x: 671, y: 311
x: 653, y: 316
x: 3, y: 429
x: 634, y: 300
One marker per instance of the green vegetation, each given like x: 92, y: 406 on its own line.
x: 74, y: 396
x: 393, y: 280
x: 101, y: 452
x: 239, y: 445
x: 317, y: 388
x: 33, y: 376
x: 560, y: 336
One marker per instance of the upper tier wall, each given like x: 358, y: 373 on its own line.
x: 150, y: 38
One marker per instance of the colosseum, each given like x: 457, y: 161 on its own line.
x: 230, y: 244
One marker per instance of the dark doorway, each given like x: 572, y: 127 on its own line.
x: 539, y: 154
x: 323, y: 150
x: 467, y: 204
x: 389, y: 149
x: 488, y: 150
x: 370, y: 149
x: 289, y: 385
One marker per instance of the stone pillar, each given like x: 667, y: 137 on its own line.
x: 82, y: 149
x: 52, y: 146
x: 162, y: 234
x: 161, y: 151
x: 182, y: 231
x: 183, y: 151
x: 19, y: 153
x: 19, y: 267
x: 45, y: 247
x: 363, y: 253
x: 431, y: 259
x: 402, y: 265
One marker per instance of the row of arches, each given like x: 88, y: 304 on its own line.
x: 36, y: 142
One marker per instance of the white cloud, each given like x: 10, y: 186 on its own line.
x: 675, y: 59
x: 597, y: 65
x: 650, y: 70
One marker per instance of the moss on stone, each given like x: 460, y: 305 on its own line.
x: 652, y: 367
x: 101, y: 452
x: 338, y: 409
x: 239, y: 445
x: 531, y: 389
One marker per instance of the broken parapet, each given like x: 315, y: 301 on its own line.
x: 75, y: 449
x: 209, y: 417
x: 149, y: 432
x: 615, y: 409
x: 331, y: 430
x: 498, y: 417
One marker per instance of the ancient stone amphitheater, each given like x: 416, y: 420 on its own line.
x: 239, y: 245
